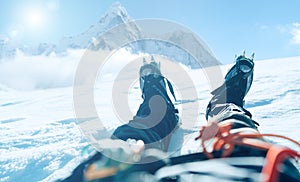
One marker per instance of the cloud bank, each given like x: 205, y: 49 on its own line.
x: 39, y: 72
x: 43, y: 72
x: 296, y: 33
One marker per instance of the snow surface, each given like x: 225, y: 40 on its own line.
x: 40, y: 140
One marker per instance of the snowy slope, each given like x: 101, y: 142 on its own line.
x: 40, y: 140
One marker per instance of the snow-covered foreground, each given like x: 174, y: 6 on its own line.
x: 40, y: 140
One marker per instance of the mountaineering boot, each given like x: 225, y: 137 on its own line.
x: 238, y: 80
x: 156, y: 118
x: 147, y: 69
x: 236, y: 85
x: 154, y: 85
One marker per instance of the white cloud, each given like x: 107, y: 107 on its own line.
x: 41, y: 72
x: 295, y: 32
x: 32, y: 72
x: 296, y: 24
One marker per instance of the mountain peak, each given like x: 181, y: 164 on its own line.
x: 117, y: 7
x: 116, y: 11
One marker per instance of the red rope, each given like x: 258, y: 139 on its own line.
x: 226, y: 141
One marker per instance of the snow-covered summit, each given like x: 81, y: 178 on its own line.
x: 114, y: 16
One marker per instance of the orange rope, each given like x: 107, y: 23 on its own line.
x: 226, y: 141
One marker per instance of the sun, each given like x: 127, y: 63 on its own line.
x: 35, y: 18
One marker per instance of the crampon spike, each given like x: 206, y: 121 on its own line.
x: 144, y: 61
x: 252, y: 56
x: 244, y: 53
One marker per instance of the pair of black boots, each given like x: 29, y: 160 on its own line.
x: 230, y: 95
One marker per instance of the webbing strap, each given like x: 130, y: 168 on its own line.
x: 275, y: 156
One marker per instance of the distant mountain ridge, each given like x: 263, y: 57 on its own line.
x: 116, y: 15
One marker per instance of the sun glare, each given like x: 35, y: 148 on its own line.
x: 35, y: 18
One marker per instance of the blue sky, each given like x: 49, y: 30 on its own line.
x: 269, y: 28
